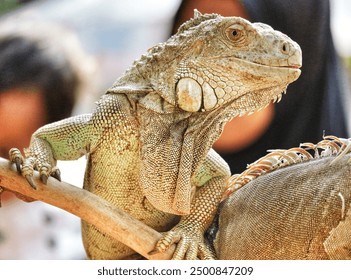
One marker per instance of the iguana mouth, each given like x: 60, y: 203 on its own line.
x: 274, y: 66
x: 257, y: 68
x: 294, y: 66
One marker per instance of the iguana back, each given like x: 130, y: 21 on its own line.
x: 300, y: 211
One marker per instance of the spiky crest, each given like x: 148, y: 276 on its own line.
x: 330, y: 146
x: 196, y: 20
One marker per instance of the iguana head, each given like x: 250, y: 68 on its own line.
x: 231, y: 60
x: 212, y: 61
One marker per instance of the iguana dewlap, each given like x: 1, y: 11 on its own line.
x: 149, y: 139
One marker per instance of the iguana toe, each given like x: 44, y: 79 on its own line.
x: 16, y: 157
x: 23, y: 166
x: 186, y: 249
x: 165, y: 242
x: 27, y: 171
x: 45, y: 171
x: 26, y: 167
x: 188, y: 246
x: 56, y: 173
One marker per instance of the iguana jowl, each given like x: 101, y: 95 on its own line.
x: 149, y: 139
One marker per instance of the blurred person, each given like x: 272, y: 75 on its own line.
x: 313, y: 105
x: 43, y: 70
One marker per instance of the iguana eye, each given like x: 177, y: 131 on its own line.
x: 235, y: 33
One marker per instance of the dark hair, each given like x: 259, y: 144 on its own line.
x: 37, y: 62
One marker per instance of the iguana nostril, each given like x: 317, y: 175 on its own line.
x: 285, y: 48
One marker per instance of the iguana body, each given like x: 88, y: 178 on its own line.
x: 149, y: 139
x: 290, y: 205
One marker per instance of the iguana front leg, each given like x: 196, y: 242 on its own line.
x: 63, y: 140
x: 189, y: 232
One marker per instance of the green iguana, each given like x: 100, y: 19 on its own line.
x: 149, y: 140
x: 290, y: 204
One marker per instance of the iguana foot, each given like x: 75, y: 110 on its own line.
x: 190, y: 245
x: 26, y: 167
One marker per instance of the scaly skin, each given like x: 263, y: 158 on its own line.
x: 290, y: 204
x: 149, y: 139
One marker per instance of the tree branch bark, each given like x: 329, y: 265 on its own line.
x: 89, y: 207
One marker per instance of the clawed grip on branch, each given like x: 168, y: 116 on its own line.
x: 27, y: 166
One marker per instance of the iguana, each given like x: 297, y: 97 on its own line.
x: 290, y: 204
x: 148, y: 142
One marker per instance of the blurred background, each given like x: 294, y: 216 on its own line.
x: 113, y: 34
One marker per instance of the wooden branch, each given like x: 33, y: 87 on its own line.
x: 89, y: 207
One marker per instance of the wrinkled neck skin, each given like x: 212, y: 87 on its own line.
x: 173, y: 146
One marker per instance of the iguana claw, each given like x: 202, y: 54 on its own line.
x: 18, y: 163
x: 45, y: 172
x: 30, y: 181
x: 189, y: 247
x: 44, y: 178
x: 26, y: 167
x: 17, y: 158
x: 56, y: 173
